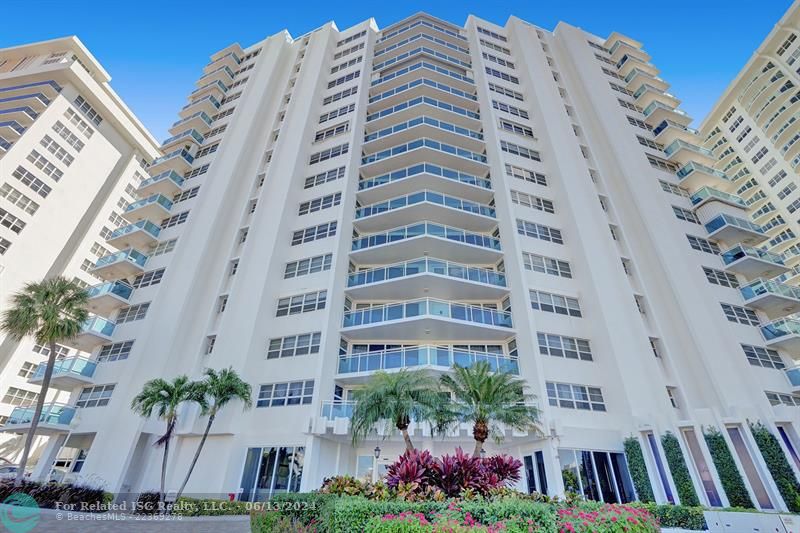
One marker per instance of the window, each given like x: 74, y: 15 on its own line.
x: 650, y: 144
x: 764, y: 357
x: 314, y: 233
x: 661, y: 164
x: 132, y: 312
x: 740, y: 315
x: 164, y: 247
x: 555, y: 303
x: 685, y: 214
x: 318, y: 204
x: 346, y: 64
x: 527, y: 175
x: 324, y: 177
x: 27, y: 370
x: 87, y: 110
x: 5, y: 244
x: 538, y: 231
x: 337, y: 113
x: 703, y: 245
x: 499, y: 60
x: 117, y: 351
x: 15, y: 396
x: 546, y: 265
x: 562, y: 346
x: 34, y: 183
x: 517, y: 112
x: 331, y: 132
x: 18, y: 199
x: 146, y: 279
x: 344, y: 79
x: 491, y: 34
x: 207, y: 150
x: 54, y: 148
x: 778, y: 398
x: 759, y: 155
x: 174, y: 220
x: 281, y: 394
x: 672, y: 188
x: 97, y: 396
x: 294, y: 345
x: 534, y: 202
x: 41, y: 162
x: 519, y: 129
x: 222, y: 303
x: 302, y: 303
x: 341, y: 94
x: 78, y: 122
x: 502, y: 75
x: 10, y: 221
x: 495, y: 47
x: 638, y: 123
x: 786, y: 191
x: 506, y: 92
x: 719, y: 277
x: 186, y: 195
x: 309, y: 265
x: 571, y: 396
x: 520, y: 151
x: 196, y: 172
x: 324, y: 155
x: 44, y: 351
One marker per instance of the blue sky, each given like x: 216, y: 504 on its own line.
x: 155, y: 51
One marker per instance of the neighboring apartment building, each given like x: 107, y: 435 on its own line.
x: 422, y: 196
x: 71, y: 157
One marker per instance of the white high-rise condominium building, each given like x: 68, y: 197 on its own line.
x: 422, y: 196
x: 71, y: 157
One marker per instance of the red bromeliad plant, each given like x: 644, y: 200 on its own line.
x: 413, y: 467
x: 459, y: 472
x: 502, y: 470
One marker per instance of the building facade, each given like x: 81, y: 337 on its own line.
x: 427, y: 195
x: 71, y: 156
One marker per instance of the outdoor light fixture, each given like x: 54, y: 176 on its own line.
x: 377, y: 452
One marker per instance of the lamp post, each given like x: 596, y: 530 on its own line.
x: 377, y: 452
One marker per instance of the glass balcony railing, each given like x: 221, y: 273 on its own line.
x: 25, y: 110
x: 659, y: 105
x: 420, y: 51
x: 430, y: 266
x: 762, y: 286
x: 132, y: 256
x: 686, y: 170
x: 444, y: 357
x: 216, y: 83
x: 48, y: 83
x: 426, y: 100
x: 706, y: 193
x: 422, y: 65
x: 725, y: 219
x: 419, y: 121
x: 213, y: 101
x: 635, y: 72
x: 181, y: 152
x: 77, y: 366
x: 337, y: 409
x: 669, y: 123
x: 229, y: 54
x: 52, y: 414
x: 416, y: 83
x: 424, y: 24
x: 171, y: 175
x: 4, y: 144
x: 223, y: 68
x: 417, y: 37
x: 427, y: 307
x: 13, y: 124
x: 188, y: 133
x: 159, y: 199
x: 429, y: 229
x: 143, y: 225
x: 37, y: 96
x: 202, y: 115
x: 739, y: 251
x: 423, y: 143
x: 678, y: 144
x: 780, y: 328
x: 425, y: 196
x: 425, y: 168
x: 98, y: 325
x: 793, y: 375
x: 117, y: 288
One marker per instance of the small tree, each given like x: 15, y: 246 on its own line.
x: 50, y: 311
x: 399, y: 397
x: 220, y: 388
x: 485, y: 398
x: 164, y: 397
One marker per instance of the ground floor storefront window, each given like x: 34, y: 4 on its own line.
x: 271, y: 470
x: 596, y: 475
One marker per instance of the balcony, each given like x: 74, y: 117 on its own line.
x: 753, y: 262
x: 629, y: 63
x: 704, y: 195
x: 731, y: 229
x: 54, y: 419
x: 25, y: 115
x: 420, y: 52
x: 185, y: 137
x: 5, y: 145
x: 433, y: 277
x: 357, y: 368
x: 154, y: 207
x: 775, y: 299
x: 11, y: 129
x: 199, y: 121
x: 636, y: 77
x: 331, y: 410
x: 167, y: 183
x: 694, y: 176
x: 438, y: 153
x: 68, y: 373
x: 421, y: 127
x: 222, y: 74
x: 656, y: 113
x: 683, y: 153
x: 179, y: 161
x: 427, y: 318
x: 207, y: 104
x: 425, y: 205
x: 783, y: 333
x: 95, y: 331
x: 423, y: 69
x: 49, y: 87
x: 423, y: 105
x: 669, y: 131
x: 107, y: 297
x: 425, y: 176
x: 793, y: 375
x: 35, y: 100
x: 646, y: 94
x: 621, y: 48
x: 215, y: 88
x: 230, y: 60
x: 423, y: 91
x: 419, y: 240
x: 141, y: 234
x: 124, y: 264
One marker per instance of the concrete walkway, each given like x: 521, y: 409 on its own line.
x: 52, y: 521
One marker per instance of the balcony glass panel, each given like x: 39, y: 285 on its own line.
x: 159, y: 199
x: 658, y: 105
x: 170, y: 175
x: 117, y: 288
x: 337, y: 409
x: 678, y: 144
x: 764, y: 286
x: 419, y: 51
x: 780, y: 328
x: 134, y: 256
x: 418, y: 121
x: 181, y: 152
x: 416, y: 356
x: 423, y: 143
x: 669, y: 123
x: 97, y: 324
x: 705, y: 193
x: 417, y: 37
x: 201, y: 114
x: 422, y: 65
x: 693, y: 166
x: 79, y: 366
x: 425, y: 168
x: 427, y: 265
x: 425, y: 228
x: 52, y: 413
x: 724, y: 219
x: 427, y: 307
x: 739, y: 251
x: 22, y: 109
x: 425, y: 196
x: 421, y: 81
x: 214, y: 102
x: 188, y: 133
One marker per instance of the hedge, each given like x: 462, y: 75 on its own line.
x: 678, y: 516
x: 680, y: 474
x: 638, y: 469
x: 59, y: 495
x: 729, y: 475
x: 778, y: 465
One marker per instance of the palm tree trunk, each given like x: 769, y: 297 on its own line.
x: 478, y: 448
x: 407, y: 440
x: 196, y: 456
x: 162, y: 494
x: 48, y: 373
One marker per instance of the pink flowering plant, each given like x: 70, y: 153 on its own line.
x: 606, y: 518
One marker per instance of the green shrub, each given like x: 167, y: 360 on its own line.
x: 271, y: 522
x: 729, y: 475
x: 777, y: 465
x: 351, y: 514
x: 680, y: 474
x: 58, y: 495
x: 678, y: 516
x: 209, y: 507
x: 638, y: 469
x: 496, y: 510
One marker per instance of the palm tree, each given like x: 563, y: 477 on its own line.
x: 485, y: 398
x: 220, y: 388
x: 50, y: 311
x: 164, y: 397
x: 399, y: 397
